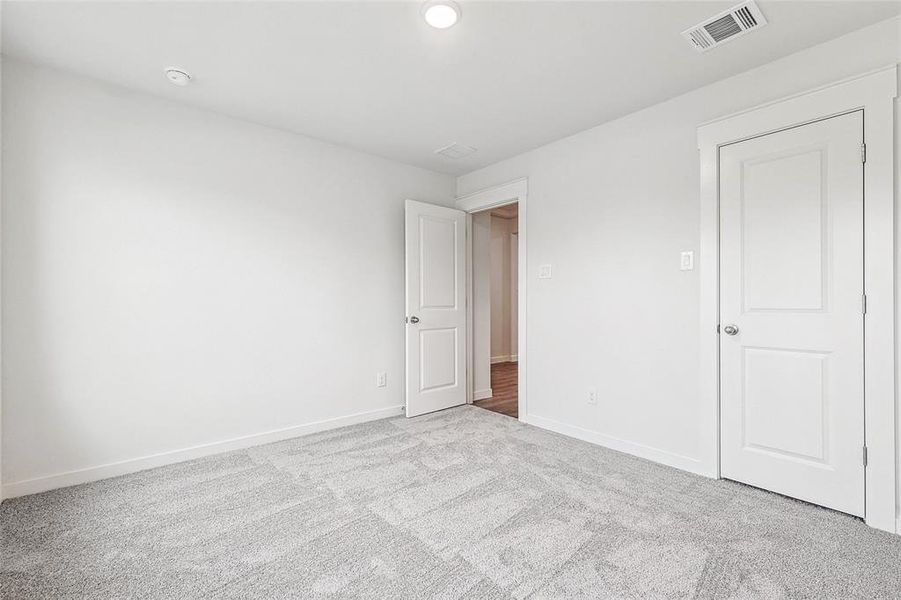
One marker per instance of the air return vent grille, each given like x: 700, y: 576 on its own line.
x: 725, y: 27
x: 455, y: 150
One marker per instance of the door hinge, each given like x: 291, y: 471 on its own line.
x: 863, y: 304
x: 864, y: 456
x: 863, y: 153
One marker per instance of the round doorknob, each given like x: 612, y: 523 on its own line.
x: 730, y: 329
x: 414, y: 319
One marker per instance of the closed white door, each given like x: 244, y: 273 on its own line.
x: 436, y: 307
x: 791, y: 312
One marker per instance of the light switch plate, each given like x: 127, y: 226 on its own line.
x: 544, y: 272
x: 687, y: 261
x: 381, y: 379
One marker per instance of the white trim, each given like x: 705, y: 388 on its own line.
x: 873, y: 93
x: 665, y: 457
x: 482, y: 394
x: 470, y: 378
x: 508, y: 193
x: 514, y: 358
x: 59, y: 480
x: 503, y: 359
x: 807, y: 93
x: 514, y: 291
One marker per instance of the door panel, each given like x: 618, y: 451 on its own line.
x: 789, y: 384
x: 438, y: 351
x: 437, y: 272
x: 436, y: 315
x: 791, y: 276
x: 783, y: 242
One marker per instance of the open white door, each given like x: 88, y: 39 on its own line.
x: 792, y: 363
x: 436, y: 307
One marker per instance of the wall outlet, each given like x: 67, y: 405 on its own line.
x: 381, y: 379
x: 592, y: 396
x: 687, y: 261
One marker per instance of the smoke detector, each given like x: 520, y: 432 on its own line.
x: 455, y: 150
x: 725, y: 27
x: 177, y: 76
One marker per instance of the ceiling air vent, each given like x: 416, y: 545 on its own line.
x: 455, y: 150
x: 725, y: 26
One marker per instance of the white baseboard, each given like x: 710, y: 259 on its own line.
x: 514, y: 358
x: 898, y: 526
x: 482, y: 394
x: 501, y: 359
x: 52, y: 482
x: 665, y: 457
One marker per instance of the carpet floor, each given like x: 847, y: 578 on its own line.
x: 464, y: 503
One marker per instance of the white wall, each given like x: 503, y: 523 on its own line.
x: 481, y: 304
x: 174, y: 278
x: 500, y: 289
x: 493, y: 270
x: 611, y: 208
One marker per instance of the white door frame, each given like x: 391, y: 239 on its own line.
x: 508, y: 193
x: 514, y: 289
x: 874, y: 93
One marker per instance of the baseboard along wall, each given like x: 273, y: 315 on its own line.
x: 70, y: 478
x: 504, y: 359
x: 482, y: 394
x: 657, y: 455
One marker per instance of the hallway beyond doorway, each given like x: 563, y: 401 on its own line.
x: 504, y: 398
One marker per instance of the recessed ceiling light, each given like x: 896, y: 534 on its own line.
x: 441, y: 14
x: 177, y: 76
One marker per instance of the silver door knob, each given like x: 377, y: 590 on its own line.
x: 414, y: 319
x: 730, y: 329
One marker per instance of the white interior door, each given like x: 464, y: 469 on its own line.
x: 436, y: 307
x: 791, y: 312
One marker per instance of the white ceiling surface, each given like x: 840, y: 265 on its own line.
x: 373, y: 76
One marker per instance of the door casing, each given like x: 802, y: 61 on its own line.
x: 873, y: 93
x: 515, y: 191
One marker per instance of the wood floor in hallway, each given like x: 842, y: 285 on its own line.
x: 504, y: 399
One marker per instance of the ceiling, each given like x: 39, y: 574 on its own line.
x: 510, y: 76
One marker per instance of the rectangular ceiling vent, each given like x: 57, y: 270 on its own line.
x: 725, y: 26
x: 455, y: 150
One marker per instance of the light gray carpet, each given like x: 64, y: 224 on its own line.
x: 459, y: 504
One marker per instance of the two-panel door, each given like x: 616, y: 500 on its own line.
x: 791, y: 312
x: 436, y: 307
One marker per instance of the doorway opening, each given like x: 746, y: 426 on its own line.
x: 495, y: 302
